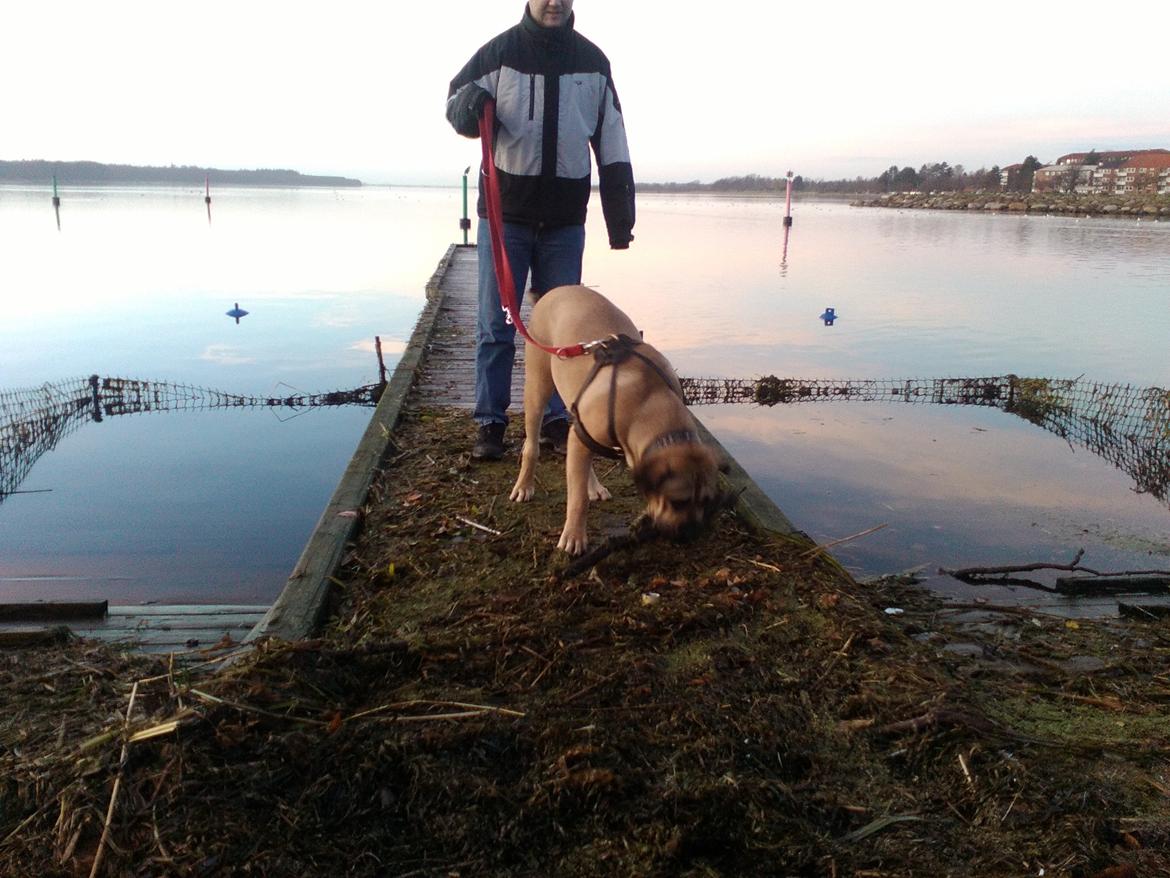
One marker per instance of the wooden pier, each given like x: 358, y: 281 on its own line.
x: 436, y: 369
x: 190, y: 629
x: 446, y: 375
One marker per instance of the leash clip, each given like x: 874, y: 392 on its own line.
x: 590, y: 346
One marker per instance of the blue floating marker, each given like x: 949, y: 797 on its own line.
x: 829, y: 316
x: 237, y: 312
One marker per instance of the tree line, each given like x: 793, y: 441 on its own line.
x: 935, y: 177
x: 39, y: 171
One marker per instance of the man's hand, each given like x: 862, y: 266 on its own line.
x: 620, y: 242
x: 466, y: 108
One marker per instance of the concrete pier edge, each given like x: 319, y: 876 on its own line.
x: 298, y: 609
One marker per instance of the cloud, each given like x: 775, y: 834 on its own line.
x: 389, y: 346
x: 225, y: 355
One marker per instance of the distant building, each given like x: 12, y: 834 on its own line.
x: 1109, y: 173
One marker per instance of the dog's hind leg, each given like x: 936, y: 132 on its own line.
x: 597, y: 491
x: 538, y: 388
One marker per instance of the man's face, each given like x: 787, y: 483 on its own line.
x: 550, y: 13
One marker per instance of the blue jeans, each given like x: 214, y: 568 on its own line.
x: 554, y: 258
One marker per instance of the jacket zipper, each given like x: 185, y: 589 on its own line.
x: 531, y: 96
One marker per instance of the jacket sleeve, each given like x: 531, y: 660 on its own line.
x: 615, y: 173
x: 474, y: 84
x: 464, y: 109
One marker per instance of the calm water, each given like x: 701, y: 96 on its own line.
x: 204, y: 506
x: 217, y: 505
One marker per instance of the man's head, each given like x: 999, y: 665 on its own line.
x: 550, y: 13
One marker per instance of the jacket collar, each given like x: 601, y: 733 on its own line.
x: 531, y: 26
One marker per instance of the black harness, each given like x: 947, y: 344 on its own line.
x: 614, y: 351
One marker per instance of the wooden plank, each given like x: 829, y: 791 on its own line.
x: 148, y: 628
x: 172, y: 628
x: 176, y: 639
x: 185, y: 609
x: 185, y: 623
x: 447, y: 377
x: 47, y: 611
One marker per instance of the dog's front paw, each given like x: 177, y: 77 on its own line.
x: 574, y: 540
x: 522, y: 492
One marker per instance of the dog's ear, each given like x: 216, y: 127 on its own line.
x: 708, y: 460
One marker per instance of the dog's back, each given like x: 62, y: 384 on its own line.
x: 567, y: 315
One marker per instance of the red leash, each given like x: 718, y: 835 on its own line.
x: 495, y: 212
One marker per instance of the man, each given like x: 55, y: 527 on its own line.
x: 555, y: 99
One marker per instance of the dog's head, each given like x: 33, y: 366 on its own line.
x: 680, y: 482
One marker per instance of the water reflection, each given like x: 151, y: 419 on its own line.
x: 784, y: 251
x: 1127, y: 426
x: 924, y: 293
x: 35, y: 420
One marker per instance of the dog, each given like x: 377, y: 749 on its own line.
x: 626, y: 402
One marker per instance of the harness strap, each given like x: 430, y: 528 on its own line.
x: 612, y: 352
x: 606, y: 354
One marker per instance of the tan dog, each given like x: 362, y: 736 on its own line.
x: 633, y: 407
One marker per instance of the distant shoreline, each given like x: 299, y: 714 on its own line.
x: 1137, y: 204
x: 84, y: 173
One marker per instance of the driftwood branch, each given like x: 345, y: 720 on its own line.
x: 972, y: 572
x: 640, y: 531
x: 1095, y: 582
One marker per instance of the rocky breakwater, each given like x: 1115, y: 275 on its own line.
x: 1140, y: 205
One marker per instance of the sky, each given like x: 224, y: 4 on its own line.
x: 826, y: 90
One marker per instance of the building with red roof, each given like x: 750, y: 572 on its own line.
x: 1119, y: 172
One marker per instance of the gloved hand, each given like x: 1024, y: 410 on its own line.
x: 620, y: 241
x: 467, y: 108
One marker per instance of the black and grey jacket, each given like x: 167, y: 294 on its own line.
x: 554, y: 99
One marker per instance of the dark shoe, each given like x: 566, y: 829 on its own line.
x: 489, y: 442
x: 555, y: 436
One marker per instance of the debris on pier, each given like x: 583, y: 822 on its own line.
x: 738, y: 706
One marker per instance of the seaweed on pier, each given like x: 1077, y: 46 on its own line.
x: 736, y: 707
